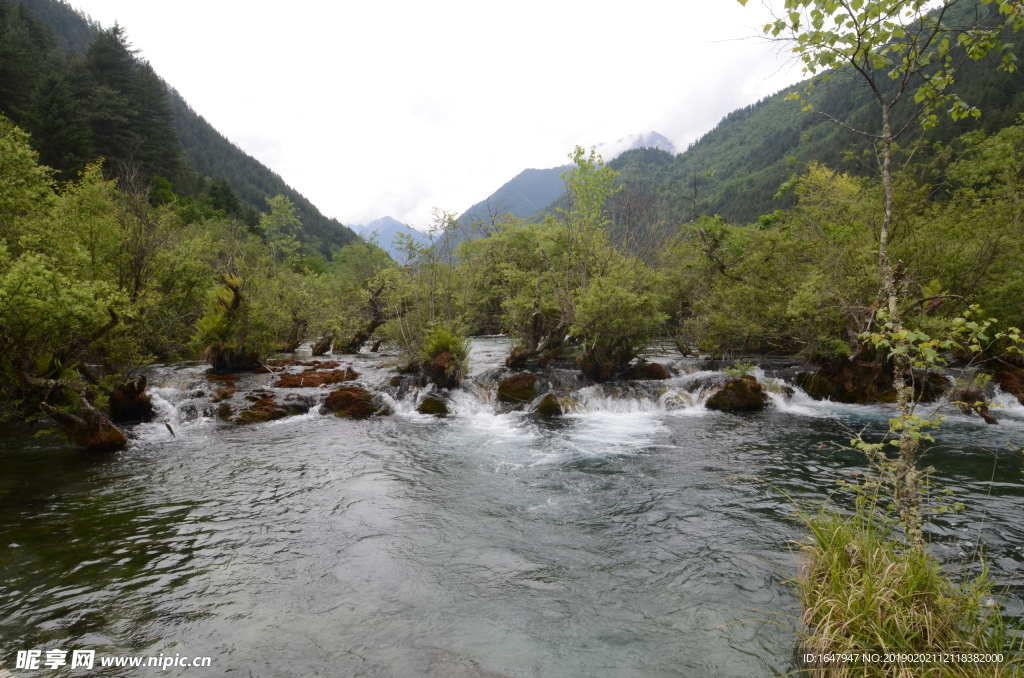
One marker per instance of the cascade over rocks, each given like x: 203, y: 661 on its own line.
x: 861, y: 383
x: 549, y: 407
x: 350, y: 401
x: 738, y: 395
x: 1011, y: 380
x: 434, y: 406
x: 442, y: 371
x: 518, y: 390
x: 970, y: 398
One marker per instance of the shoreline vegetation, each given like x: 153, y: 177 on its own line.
x: 885, y: 284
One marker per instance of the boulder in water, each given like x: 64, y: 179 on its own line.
x: 645, y: 371
x: 129, y: 402
x: 549, y: 407
x: 350, y: 401
x: 264, y: 409
x: 969, y: 395
x: 862, y: 383
x: 434, y: 406
x: 738, y: 395
x: 1011, y: 380
x: 518, y: 390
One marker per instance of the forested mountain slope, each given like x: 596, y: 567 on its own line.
x: 736, y: 169
x: 213, y: 155
x: 83, y: 94
x: 521, y: 196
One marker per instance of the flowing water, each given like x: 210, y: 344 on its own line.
x: 640, y: 535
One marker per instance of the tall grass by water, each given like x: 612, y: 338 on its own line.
x: 864, y: 592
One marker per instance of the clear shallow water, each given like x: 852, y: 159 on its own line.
x: 627, y: 539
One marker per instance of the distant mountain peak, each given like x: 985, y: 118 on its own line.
x: 610, y: 150
x: 385, y: 229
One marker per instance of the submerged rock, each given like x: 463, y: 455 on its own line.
x: 223, y: 394
x: 737, y: 395
x: 518, y: 390
x: 645, y: 371
x: 352, y: 402
x: 264, y: 409
x: 383, y: 408
x: 224, y: 411
x: 434, y: 406
x: 549, y: 407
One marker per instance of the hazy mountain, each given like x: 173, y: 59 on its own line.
x: 613, y: 149
x: 533, y: 189
x: 524, y: 194
x: 385, y: 230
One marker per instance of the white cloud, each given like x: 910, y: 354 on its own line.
x: 373, y: 109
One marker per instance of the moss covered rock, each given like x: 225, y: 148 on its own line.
x: 313, y: 378
x: 645, y: 371
x: 862, y: 383
x: 549, y: 407
x: 518, y: 390
x: 434, y: 406
x: 223, y: 394
x: 350, y: 401
x: 738, y: 395
x: 264, y: 409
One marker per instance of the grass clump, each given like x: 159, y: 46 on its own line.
x: 865, y: 592
x: 740, y: 370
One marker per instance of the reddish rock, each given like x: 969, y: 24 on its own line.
x: 313, y: 378
x: 522, y: 388
x: 350, y: 401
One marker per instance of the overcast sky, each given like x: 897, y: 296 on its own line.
x: 393, y: 108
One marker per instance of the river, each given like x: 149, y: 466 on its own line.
x: 640, y: 535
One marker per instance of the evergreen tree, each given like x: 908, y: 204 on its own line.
x: 60, y: 131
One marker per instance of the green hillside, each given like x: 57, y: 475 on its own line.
x: 736, y: 169
x: 83, y: 94
x: 521, y: 196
